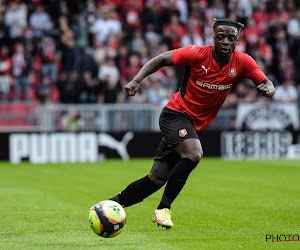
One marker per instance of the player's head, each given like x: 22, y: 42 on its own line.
x: 226, y: 34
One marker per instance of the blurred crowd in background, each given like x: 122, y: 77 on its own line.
x: 87, y: 51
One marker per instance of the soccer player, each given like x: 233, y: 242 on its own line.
x: 210, y: 73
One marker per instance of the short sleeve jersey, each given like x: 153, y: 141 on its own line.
x: 205, y: 84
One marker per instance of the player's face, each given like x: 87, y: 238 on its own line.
x: 225, y: 40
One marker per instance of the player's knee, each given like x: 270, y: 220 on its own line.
x: 190, y: 149
x: 195, y: 155
x: 156, y: 180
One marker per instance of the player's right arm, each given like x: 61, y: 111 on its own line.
x: 164, y: 59
x: 264, y: 86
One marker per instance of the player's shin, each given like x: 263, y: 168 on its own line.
x: 136, y: 192
x: 176, y: 181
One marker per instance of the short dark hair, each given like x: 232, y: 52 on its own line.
x: 229, y: 22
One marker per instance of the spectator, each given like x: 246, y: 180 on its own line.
x: 183, y: 9
x: 207, y: 34
x: 243, y: 8
x: 70, y: 91
x: 20, y: 72
x: 261, y: 17
x: 133, y: 22
x: 4, y: 31
x: 109, y: 68
x: 153, y: 41
x: 62, y: 80
x: 151, y: 17
x: 287, y: 71
x: 286, y: 93
x: 293, y: 29
x: 157, y: 93
x: 63, y: 8
x: 16, y: 18
x: 70, y: 54
x: 173, y: 32
x: 251, y: 33
x: 137, y: 41
x: 133, y: 67
x: 193, y: 33
x: 265, y: 50
x: 40, y: 21
x: 48, y: 57
x: 242, y: 45
x: 71, y: 121
x: 197, y: 9
x: 109, y: 91
x: 106, y: 29
x: 144, y: 55
x: 170, y: 9
x: 244, y: 93
x: 282, y: 13
x: 280, y: 40
x: 89, y: 88
x: 217, y: 10
x: 122, y: 59
x: 46, y: 92
x: 5, y: 70
x: 170, y: 81
x: 293, y: 26
x: 79, y: 28
x: 87, y: 62
x: 290, y: 5
x: 90, y: 14
x: 140, y: 97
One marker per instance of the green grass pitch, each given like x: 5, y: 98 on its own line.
x: 224, y: 205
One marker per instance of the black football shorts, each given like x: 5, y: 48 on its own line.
x: 175, y: 127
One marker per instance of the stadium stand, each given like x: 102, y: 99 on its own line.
x: 86, y: 51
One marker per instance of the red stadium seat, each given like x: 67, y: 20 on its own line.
x: 18, y: 122
x: 3, y: 108
x: 3, y: 122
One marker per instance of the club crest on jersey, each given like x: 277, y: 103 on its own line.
x: 182, y: 132
x: 232, y: 72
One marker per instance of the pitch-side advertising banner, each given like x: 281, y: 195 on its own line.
x: 88, y: 146
x: 267, y: 116
x: 65, y: 147
x: 94, y: 147
x: 260, y: 145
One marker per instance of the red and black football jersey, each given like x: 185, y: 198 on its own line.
x: 205, y: 84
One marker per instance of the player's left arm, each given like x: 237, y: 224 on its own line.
x: 266, y: 88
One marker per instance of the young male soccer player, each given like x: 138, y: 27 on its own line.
x: 210, y: 73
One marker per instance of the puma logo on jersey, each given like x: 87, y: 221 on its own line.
x: 203, y: 67
x: 212, y: 86
x: 194, y: 46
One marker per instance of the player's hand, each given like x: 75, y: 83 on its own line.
x: 132, y: 87
x: 265, y: 90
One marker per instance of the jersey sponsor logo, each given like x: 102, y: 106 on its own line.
x: 194, y: 46
x: 206, y: 69
x: 232, y: 72
x: 212, y: 86
x: 182, y: 132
